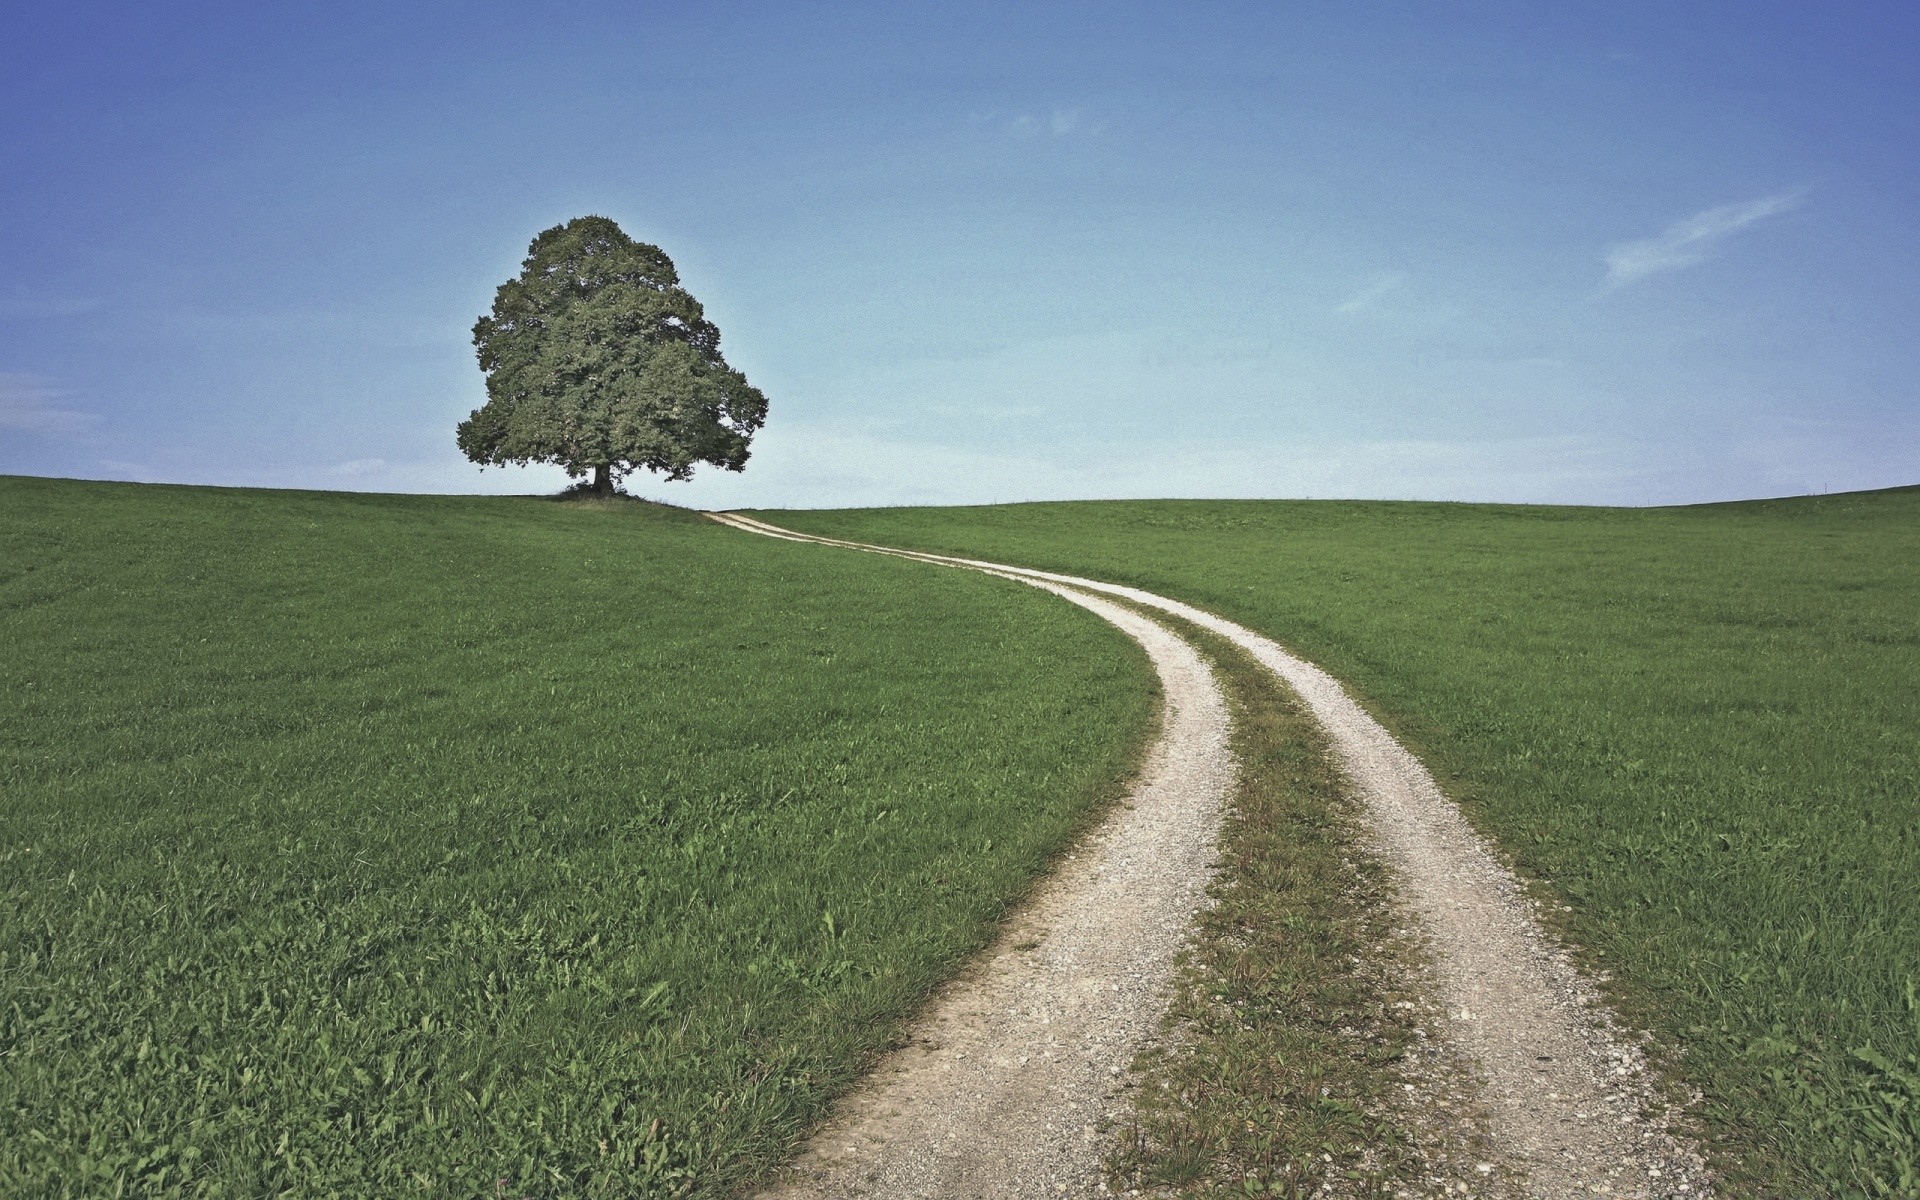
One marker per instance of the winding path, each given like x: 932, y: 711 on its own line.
x: 1567, y: 1095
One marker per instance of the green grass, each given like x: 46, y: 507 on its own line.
x: 1700, y: 727
x: 1280, y: 1070
x: 378, y: 845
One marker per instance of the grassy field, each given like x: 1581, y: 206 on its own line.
x: 378, y: 845
x: 1699, y: 727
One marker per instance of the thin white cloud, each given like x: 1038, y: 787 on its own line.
x: 33, y: 404
x: 1377, y: 288
x: 1058, y: 123
x: 1687, y: 242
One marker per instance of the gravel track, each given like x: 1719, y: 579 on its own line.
x: 1570, y: 1105
x: 1014, y: 1067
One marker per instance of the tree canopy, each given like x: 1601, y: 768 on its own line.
x: 598, y: 361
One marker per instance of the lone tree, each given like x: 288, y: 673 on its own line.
x: 598, y: 360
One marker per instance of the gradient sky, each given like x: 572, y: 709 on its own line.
x: 1614, y: 252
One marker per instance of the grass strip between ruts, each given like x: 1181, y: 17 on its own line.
x: 1296, y: 1015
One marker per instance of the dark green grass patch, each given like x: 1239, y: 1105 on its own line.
x: 379, y: 845
x: 1700, y: 727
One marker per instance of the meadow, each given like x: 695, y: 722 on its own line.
x: 1696, y: 729
x: 360, y: 845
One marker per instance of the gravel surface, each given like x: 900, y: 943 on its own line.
x: 1569, y: 1104
x: 1014, y: 1068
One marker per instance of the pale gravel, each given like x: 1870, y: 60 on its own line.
x: 1014, y: 1068
x: 1569, y: 1102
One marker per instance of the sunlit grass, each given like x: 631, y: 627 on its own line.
x: 378, y: 846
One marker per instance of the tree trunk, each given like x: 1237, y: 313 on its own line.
x: 603, y: 480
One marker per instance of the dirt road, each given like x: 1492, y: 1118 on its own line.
x: 1570, y: 1103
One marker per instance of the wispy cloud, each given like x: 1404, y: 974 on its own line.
x: 1687, y: 242
x: 34, y: 404
x: 1059, y: 123
x: 1375, y: 289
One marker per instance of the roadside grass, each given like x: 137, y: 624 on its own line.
x: 1294, y: 1061
x: 1699, y: 728
x: 362, y: 845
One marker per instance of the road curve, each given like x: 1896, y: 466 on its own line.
x: 1569, y: 1100
x: 1012, y: 1069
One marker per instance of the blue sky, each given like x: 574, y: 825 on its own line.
x: 1614, y: 252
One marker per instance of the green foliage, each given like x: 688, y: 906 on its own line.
x: 598, y: 360
x: 381, y: 845
x: 1695, y: 725
x: 1867, y: 1105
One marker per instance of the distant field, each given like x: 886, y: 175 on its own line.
x: 379, y: 845
x: 1699, y: 726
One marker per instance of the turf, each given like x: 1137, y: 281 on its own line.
x: 1698, y: 727
x: 378, y: 845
